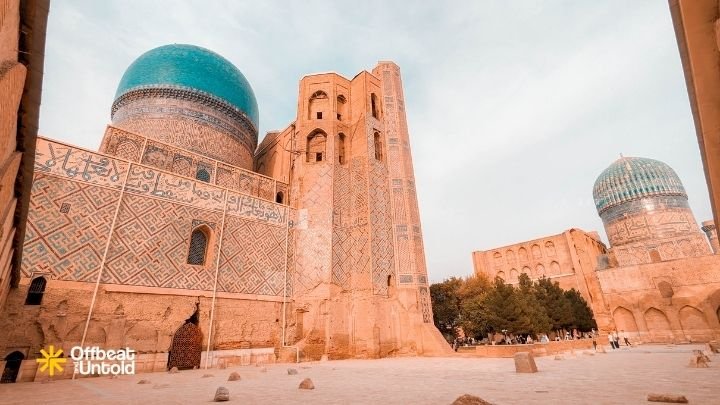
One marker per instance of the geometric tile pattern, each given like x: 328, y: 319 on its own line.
x: 425, y: 304
x: 127, y: 145
x: 151, y: 238
x: 314, y: 235
x: 381, y: 225
x: 69, y: 245
x: 150, y: 245
x: 252, y: 260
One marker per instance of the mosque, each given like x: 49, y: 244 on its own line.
x: 660, y: 278
x: 184, y: 239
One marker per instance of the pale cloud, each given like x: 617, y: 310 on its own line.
x: 514, y: 108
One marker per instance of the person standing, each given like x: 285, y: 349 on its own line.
x: 594, y: 339
x: 625, y: 337
x: 616, y: 338
x: 611, y: 339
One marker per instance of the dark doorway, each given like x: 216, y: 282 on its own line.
x: 186, y: 346
x: 12, y: 367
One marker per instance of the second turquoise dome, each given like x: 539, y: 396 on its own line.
x: 191, y: 67
x: 631, y: 178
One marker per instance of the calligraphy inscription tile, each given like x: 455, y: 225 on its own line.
x: 148, y: 181
x: 78, y: 164
x: 246, y: 206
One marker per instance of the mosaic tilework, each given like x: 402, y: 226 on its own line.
x: 381, y: 225
x: 255, y: 208
x: 150, y: 245
x: 361, y: 265
x: 151, y: 182
x: 189, y: 125
x: 252, y: 259
x: 78, y: 164
x: 425, y: 304
x: 313, y: 247
x: 342, y: 259
x: 68, y: 246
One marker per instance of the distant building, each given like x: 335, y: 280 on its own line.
x: 658, y: 280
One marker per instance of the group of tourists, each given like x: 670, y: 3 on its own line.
x: 614, y: 339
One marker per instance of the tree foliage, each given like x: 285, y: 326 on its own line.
x: 479, y: 306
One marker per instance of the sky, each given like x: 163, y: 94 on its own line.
x: 514, y: 107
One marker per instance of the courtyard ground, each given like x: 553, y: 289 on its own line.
x: 619, y: 377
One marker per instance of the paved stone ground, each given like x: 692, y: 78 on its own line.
x: 620, y: 377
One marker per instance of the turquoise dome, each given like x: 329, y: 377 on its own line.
x: 192, y: 68
x: 632, y: 178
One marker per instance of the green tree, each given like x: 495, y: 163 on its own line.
x: 553, y: 300
x: 531, y: 317
x: 582, y: 318
x: 445, y: 298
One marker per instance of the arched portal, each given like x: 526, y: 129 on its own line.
x: 186, y: 347
x: 694, y: 324
x: 12, y: 367
x: 625, y: 320
x: 658, y: 325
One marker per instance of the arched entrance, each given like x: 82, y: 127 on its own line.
x: 658, y: 326
x: 625, y: 320
x: 12, y: 367
x: 694, y: 324
x: 186, y: 347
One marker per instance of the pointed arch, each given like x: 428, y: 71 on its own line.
x: 317, y: 105
x: 374, y: 106
x: 316, y: 143
x: 694, y: 324
x: 13, y: 361
x: 378, y: 145
x: 625, y: 320
x: 658, y: 325
x: 342, y: 159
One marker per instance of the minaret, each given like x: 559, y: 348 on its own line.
x: 410, y: 253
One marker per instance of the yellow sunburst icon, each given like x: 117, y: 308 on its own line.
x: 51, y: 359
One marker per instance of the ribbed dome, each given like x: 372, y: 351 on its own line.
x: 192, y: 68
x: 632, y: 178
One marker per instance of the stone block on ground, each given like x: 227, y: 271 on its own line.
x: 468, y: 399
x: 222, y: 394
x: 525, y: 363
x: 714, y: 347
x: 701, y: 353
x: 307, y: 384
x: 667, y: 398
x: 234, y: 376
x: 558, y: 357
x: 144, y: 382
x: 292, y: 371
x: 698, y: 361
x: 173, y: 370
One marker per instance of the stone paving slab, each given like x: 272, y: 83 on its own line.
x: 620, y: 377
